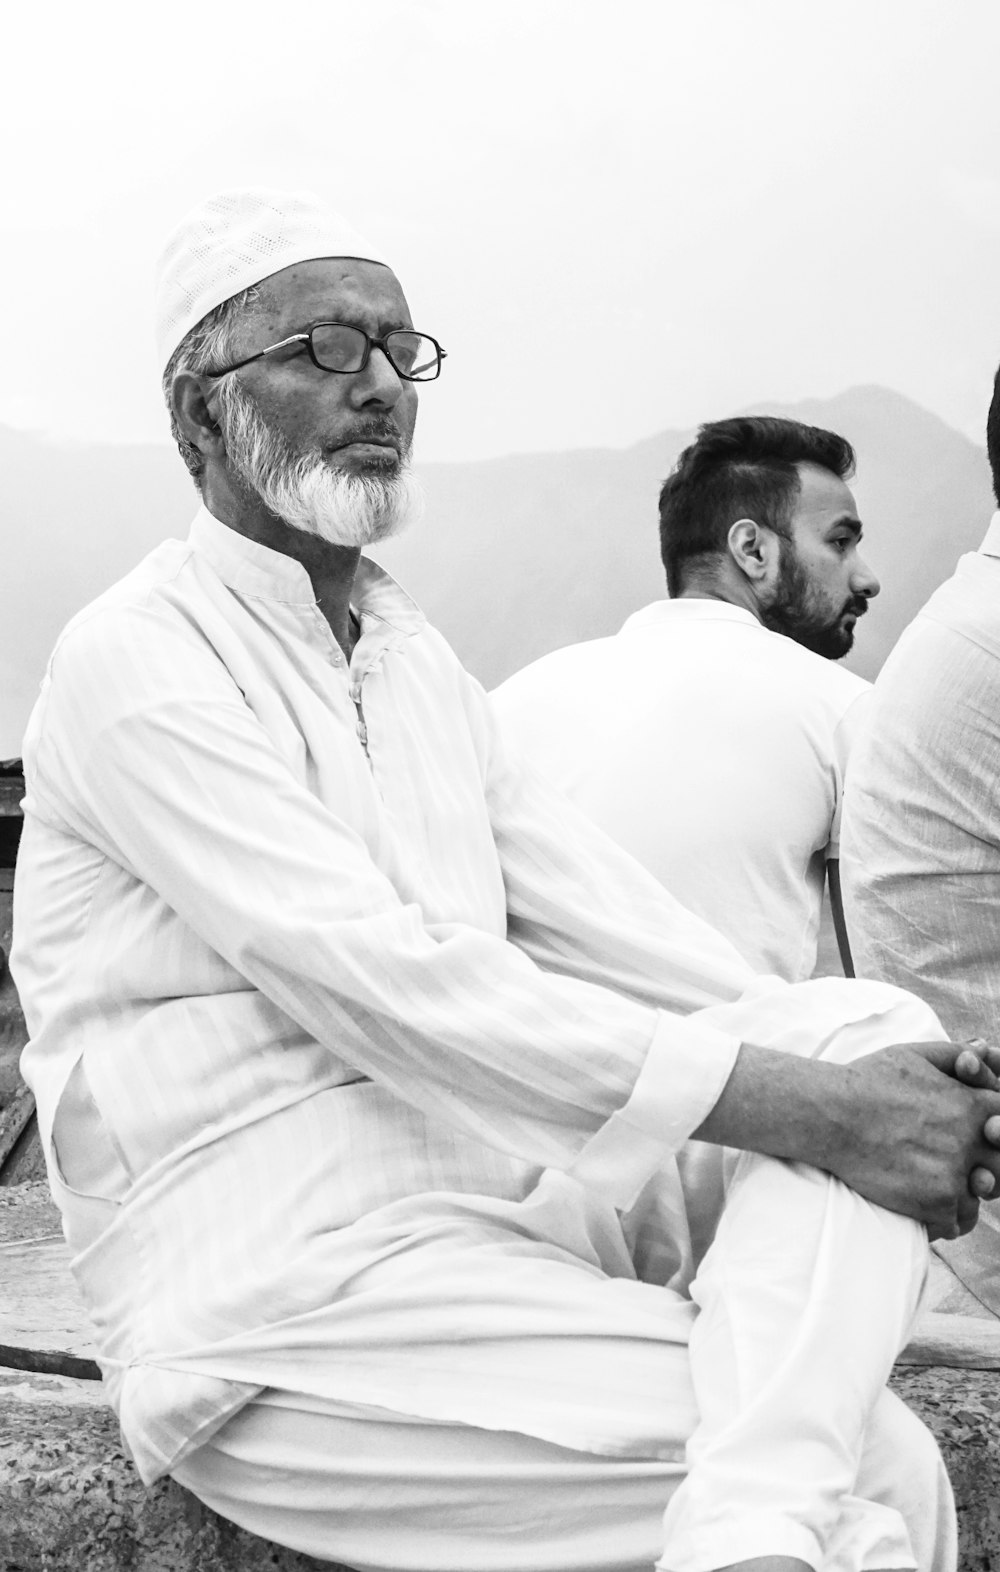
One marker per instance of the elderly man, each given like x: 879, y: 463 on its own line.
x: 384, y: 1098
x: 710, y: 736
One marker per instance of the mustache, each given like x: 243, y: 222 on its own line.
x: 376, y: 429
x: 857, y: 606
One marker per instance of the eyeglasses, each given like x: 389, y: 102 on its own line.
x: 336, y: 346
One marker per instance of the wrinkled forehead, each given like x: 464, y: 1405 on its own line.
x: 339, y: 289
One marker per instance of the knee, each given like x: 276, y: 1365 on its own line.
x: 913, y: 1020
x: 896, y: 1017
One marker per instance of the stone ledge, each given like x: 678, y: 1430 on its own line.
x: 962, y: 1409
x: 70, y: 1501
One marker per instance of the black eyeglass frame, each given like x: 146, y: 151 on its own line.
x: 370, y: 344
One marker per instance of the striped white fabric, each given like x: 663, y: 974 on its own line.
x: 361, y: 1058
x: 280, y: 977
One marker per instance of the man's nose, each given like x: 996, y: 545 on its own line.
x: 379, y: 382
x: 863, y: 580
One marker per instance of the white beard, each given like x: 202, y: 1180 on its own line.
x: 306, y: 492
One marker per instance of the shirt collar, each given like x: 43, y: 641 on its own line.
x: 689, y: 609
x: 991, y: 544
x: 252, y: 569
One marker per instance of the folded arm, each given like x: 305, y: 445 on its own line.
x: 150, y: 752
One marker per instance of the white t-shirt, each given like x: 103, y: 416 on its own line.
x: 714, y: 751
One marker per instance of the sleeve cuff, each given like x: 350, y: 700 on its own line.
x: 685, y: 1070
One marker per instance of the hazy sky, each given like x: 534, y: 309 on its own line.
x: 617, y: 215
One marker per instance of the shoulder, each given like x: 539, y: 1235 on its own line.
x: 554, y: 676
x: 966, y: 606
x: 972, y: 592
x: 802, y: 676
x: 126, y: 603
x: 952, y: 646
x: 145, y: 642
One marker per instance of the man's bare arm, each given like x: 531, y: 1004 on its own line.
x: 898, y: 1126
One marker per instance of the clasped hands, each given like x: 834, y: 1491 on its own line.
x: 927, y: 1138
x: 978, y: 1065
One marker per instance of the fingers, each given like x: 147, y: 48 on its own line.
x: 974, y: 1063
x: 967, y: 1216
x: 941, y: 1055
x: 955, y: 1222
x: 988, y: 1053
x: 970, y: 1069
x: 982, y: 1183
x: 984, y: 1159
x: 973, y: 1067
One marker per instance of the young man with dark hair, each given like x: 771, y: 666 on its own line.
x: 707, y: 736
x: 747, y: 470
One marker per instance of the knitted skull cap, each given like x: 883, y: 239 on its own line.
x: 234, y: 240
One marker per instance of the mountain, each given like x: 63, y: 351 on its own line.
x: 75, y: 519
x: 521, y: 555
x: 516, y: 556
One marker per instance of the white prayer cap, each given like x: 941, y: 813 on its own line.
x: 235, y: 239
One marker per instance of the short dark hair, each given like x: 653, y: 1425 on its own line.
x: 739, y: 468
x: 993, y: 436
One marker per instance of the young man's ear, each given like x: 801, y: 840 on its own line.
x: 754, y: 549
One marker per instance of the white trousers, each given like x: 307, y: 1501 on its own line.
x: 793, y: 1445
x: 373, y: 1491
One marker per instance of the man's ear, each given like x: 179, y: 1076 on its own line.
x: 190, y: 398
x: 754, y: 549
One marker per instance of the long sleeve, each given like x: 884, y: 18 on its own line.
x: 323, y: 976
x: 179, y: 783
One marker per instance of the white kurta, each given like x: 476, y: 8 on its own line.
x: 921, y: 866
x: 366, y: 1058
x: 921, y: 863
x: 714, y: 751
x: 281, y: 954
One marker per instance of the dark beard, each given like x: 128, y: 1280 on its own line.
x: 799, y: 612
